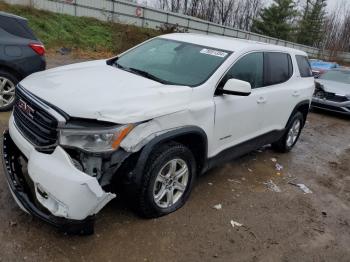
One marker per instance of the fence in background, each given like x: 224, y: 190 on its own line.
x: 144, y: 16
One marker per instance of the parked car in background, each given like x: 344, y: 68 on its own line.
x: 21, y: 54
x: 333, y: 91
x: 319, y: 66
x: 165, y: 112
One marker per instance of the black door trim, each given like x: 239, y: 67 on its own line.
x: 243, y: 148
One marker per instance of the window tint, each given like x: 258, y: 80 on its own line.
x: 16, y: 27
x: 278, y: 68
x: 249, y: 69
x: 304, y: 66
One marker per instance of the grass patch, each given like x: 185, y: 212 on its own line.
x: 82, y: 34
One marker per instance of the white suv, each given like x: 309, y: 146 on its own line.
x: 147, y: 122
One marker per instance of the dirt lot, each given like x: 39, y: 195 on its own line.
x: 285, y: 226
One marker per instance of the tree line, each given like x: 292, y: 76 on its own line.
x: 302, y: 21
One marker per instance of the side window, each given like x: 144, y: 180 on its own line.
x: 304, y: 66
x: 278, y: 68
x: 250, y: 68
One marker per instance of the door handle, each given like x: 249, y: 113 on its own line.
x: 296, y: 93
x: 261, y: 100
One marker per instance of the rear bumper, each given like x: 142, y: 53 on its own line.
x: 28, y: 65
x: 51, y: 188
x: 339, y: 107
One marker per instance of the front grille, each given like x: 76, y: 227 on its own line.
x: 34, y: 122
x: 335, y: 98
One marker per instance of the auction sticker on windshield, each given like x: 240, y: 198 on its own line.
x: 213, y: 52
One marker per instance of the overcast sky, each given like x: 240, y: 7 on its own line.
x: 333, y: 3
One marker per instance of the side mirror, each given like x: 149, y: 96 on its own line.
x: 236, y: 87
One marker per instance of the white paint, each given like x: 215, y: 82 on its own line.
x: 235, y: 85
x: 71, y: 193
x: 98, y: 91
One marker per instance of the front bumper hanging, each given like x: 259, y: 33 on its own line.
x: 27, y: 193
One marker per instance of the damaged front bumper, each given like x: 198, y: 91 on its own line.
x: 51, y: 187
x: 339, y: 107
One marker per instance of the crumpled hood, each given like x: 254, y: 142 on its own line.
x: 335, y: 87
x: 98, y: 91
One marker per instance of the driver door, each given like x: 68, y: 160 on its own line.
x: 240, y: 118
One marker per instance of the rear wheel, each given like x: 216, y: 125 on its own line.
x: 291, y: 136
x: 8, y: 84
x: 168, y: 180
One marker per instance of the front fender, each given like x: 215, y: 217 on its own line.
x: 163, y: 137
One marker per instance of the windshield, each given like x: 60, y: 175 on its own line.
x: 342, y: 76
x: 173, y: 62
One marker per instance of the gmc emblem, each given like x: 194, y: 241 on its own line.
x: 25, y: 108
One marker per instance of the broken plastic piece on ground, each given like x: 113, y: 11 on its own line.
x: 304, y: 188
x: 273, y: 159
x: 250, y: 170
x: 217, y: 207
x: 210, y: 184
x: 272, y: 186
x: 278, y: 167
x: 235, y: 224
x: 232, y: 180
x: 13, y: 223
x: 64, y: 51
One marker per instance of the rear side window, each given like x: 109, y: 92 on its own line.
x: 249, y: 68
x: 278, y: 68
x: 304, y: 66
x: 16, y: 27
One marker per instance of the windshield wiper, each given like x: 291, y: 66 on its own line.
x: 149, y: 75
x: 142, y: 73
x: 117, y: 65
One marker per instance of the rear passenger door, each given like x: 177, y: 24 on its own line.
x: 280, y: 92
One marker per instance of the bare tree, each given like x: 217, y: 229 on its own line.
x: 237, y: 13
x: 337, y: 29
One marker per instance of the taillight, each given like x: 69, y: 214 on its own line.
x: 38, y: 48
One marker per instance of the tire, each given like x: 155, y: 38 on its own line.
x: 160, y: 162
x: 8, y: 83
x: 291, y: 135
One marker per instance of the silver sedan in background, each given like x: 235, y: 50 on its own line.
x: 332, y: 91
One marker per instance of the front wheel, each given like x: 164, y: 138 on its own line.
x: 168, y: 180
x: 291, y: 136
x: 8, y: 83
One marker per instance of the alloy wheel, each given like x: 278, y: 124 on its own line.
x: 7, y: 92
x: 293, y: 133
x: 171, y: 183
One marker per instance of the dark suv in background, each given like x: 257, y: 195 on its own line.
x: 21, y: 54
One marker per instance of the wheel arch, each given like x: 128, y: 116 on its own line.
x: 302, y: 107
x: 191, y: 136
x: 12, y: 70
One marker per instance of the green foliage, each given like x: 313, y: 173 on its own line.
x: 83, y: 33
x: 312, y: 23
x: 276, y: 20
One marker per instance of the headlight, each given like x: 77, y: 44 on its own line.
x: 94, y: 140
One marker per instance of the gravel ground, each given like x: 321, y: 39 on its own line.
x: 276, y: 226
